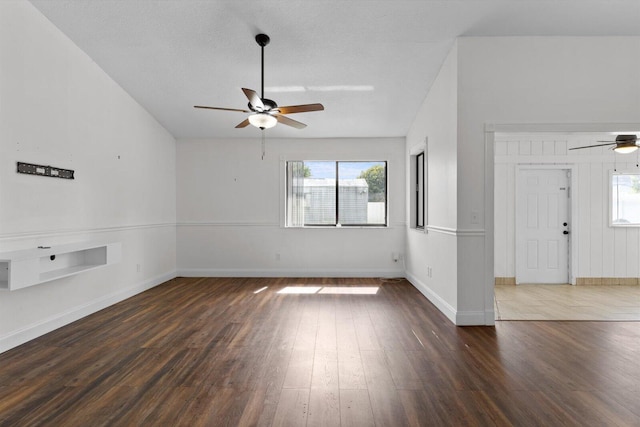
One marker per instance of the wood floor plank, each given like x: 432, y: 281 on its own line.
x: 350, y: 370
x: 208, y: 351
x: 355, y: 408
x: 299, y: 370
x: 386, y: 407
x: 326, y: 337
x: 293, y: 408
x: 324, y: 407
x: 376, y: 369
x: 325, y: 370
x: 403, y: 374
x: 346, y: 338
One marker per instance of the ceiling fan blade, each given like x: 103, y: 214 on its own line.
x: 253, y: 98
x: 290, y: 122
x: 300, y: 108
x: 220, y: 108
x: 591, y: 146
x: 243, y: 124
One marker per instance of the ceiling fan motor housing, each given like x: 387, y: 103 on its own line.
x: 268, y: 105
x: 626, y: 138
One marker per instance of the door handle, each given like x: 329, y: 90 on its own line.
x: 565, y: 232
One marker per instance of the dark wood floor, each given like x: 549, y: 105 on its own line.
x: 210, y: 352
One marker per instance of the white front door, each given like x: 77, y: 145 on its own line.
x: 542, y: 226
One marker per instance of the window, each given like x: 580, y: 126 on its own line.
x: 420, y: 190
x: 417, y: 192
x: 625, y: 199
x: 336, y: 193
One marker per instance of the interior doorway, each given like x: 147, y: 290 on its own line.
x: 603, y: 272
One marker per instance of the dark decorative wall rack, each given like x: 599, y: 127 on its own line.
x: 31, y: 169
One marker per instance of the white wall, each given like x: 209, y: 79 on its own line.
x: 57, y: 107
x: 231, y: 211
x: 435, y: 250
x: 529, y: 80
x: 599, y: 250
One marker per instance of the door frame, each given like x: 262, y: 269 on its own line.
x: 572, y: 257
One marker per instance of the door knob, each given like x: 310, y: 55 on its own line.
x: 565, y: 232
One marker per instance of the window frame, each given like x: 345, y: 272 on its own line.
x: 420, y: 191
x: 415, y: 153
x: 337, y: 224
x: 612, y: 191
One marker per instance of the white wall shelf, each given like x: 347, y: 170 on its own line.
x: 20, y: 269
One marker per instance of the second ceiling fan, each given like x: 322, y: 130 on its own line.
x: 265, y: 113
x: 624, y: 144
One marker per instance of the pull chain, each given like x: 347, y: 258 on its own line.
x: 263, y: 144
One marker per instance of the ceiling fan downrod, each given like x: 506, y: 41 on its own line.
x: 262, y: 40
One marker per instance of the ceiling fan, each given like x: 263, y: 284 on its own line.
x: 265, y: 113
x: 624, y: 144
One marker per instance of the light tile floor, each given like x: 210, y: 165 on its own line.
x: 567, y: 302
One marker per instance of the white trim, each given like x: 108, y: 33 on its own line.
x: 442, y: 230
x: 470, y: 232
x: 276, y: 225
x: 544, y: 160
x: 419, y: 148
x: 489, y: 224
x: 72, y: 231
x: 227, y: 224
x: 609, y: 186
x: 472, y: 318
x: 435, y: 299
x: 29, y: 332
x: 251, y: 272
x: 561, y: 127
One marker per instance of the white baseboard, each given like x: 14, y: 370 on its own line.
x: 243, y: 272
x: 29, y: 332
x: 440, y: 304
x: 470, y: 318
x: 458, y: 318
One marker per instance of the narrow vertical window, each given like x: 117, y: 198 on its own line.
x: 420, y: 190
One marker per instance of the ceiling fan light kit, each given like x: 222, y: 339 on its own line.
x: 626, y: 148
x: 266, y: 113
x: 263, y: 120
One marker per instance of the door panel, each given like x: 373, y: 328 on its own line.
x: 542, y: 209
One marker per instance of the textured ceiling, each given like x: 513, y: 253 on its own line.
x: 369, y: 62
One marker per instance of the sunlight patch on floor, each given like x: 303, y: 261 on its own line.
x: 350, y: 290
x: 300, y: 290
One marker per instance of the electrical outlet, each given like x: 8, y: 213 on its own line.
x: 138, y: 268
x: 277, y: 256
x: 395, y: 256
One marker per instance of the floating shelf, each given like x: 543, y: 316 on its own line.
x: 20, y: 269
